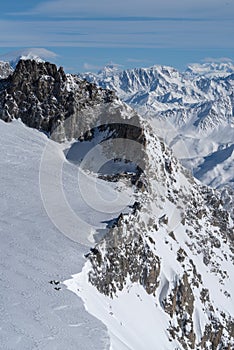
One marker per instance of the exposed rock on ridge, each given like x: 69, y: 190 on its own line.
x: 193, y: 237
x: 44, y: 97
x: 5, y: 70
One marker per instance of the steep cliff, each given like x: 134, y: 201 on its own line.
x: 44, y: 97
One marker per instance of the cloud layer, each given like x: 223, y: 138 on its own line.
x: 111, y: 33
x: 160, y: 8
x: 123, y: 24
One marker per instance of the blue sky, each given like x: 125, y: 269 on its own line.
x: 88, y: 34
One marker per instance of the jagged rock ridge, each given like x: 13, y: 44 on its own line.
x: 44, y: 97
x: 180, y: 224
x: 5, y: 70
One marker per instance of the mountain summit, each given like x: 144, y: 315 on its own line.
x: 37, y: 54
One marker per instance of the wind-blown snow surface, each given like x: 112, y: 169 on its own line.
x: 33, y: 251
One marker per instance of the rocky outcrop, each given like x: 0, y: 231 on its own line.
x: 67, y: 108
x: 121, y: 255
x: 44, y: 98
x: 5, y: 70
x: 181, y: 304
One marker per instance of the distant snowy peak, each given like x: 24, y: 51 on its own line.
x: 110, y: 69
x: 221, y: 69
x: 209, y: 69
x: 162, y: 88
x: 131, y: 80
x: 36, y: 54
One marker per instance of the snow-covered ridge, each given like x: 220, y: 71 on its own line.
x: 162, y: 88
x: 221, y: 69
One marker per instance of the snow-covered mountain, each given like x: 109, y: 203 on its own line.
x: 158, y: 243
x: 192, y: 111
x: 37, y: 54
x: 211, y: 70
x: 162, y: 266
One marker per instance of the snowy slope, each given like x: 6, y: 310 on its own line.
x: 133, y: 318
x: 33, y: 251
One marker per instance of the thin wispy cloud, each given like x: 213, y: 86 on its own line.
x: 76, y: 33
x: 163, y: 24
x: 136, y: 60
x: 90, y: 66
x: 125, y: 25
x: 161, y: 8
x: 217, y: 59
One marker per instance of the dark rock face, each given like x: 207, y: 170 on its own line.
x: 181, y: 304
x: 125, y: 255
x: 44, y: 97
x: 65, y: 108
